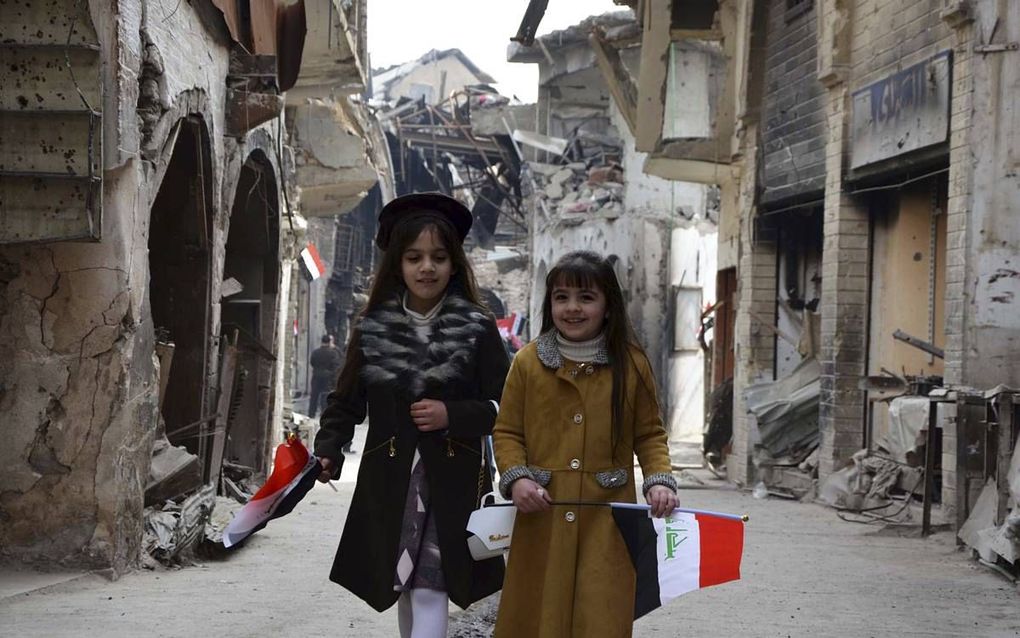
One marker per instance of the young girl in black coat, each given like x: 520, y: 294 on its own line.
x: 427, y: 363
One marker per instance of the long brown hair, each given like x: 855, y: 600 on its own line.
x: 587, y: 269
x: 388, y: 282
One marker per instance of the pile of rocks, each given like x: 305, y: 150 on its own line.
x: 579, y: 189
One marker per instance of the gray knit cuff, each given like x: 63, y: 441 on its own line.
x: 665, y: 479
x: 507, y: 478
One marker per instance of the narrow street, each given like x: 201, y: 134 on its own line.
x: 805, y: 573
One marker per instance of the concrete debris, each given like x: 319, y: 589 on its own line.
x: 577, y: 189
x: 981, y: 519
x: 222, y: 514
x: 980, y: 532
x: 174, y: 529
x: 545, y: 170
x: 554, y: 145
x: 602, y: 174
x: 173, y: 472
x: 875, y: 476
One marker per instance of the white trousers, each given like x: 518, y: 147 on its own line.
x: 423, y: 613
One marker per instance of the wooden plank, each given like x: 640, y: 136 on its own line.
x: 929, y: 468
x: 263, y: 26
x: 227, y: 375
x: 618, y: 79
x: 690, y: 170
x: 165, y: 354
x: 1004, y: 454
x: 651, y: 85
x: 231, y: 14
x: 962, y: 484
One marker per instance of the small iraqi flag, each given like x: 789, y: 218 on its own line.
x: 687, y: 550
x: 310, y: 259
x: 294, y: 474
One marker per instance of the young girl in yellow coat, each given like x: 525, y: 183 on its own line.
x: 578, y: 404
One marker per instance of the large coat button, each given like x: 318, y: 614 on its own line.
x: 569, y: 516
x: 575, y: 464
x: 578, y: 418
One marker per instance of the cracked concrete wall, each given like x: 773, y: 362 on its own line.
x: 78, y: 379
x: 77, y: 390
x: 989, y: 177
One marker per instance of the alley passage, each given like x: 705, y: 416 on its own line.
x: 806, y: 573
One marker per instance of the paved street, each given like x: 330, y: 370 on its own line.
x: 805, y: 573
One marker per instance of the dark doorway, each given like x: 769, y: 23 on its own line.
x: 249, y: 312
x: 724, y: 326
x: 179, y: 256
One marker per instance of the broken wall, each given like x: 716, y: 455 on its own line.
x: 434, y: 81
x: 984, y: 321
x: 78, y: 380
x: 687, y: 287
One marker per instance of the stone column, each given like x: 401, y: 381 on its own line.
x: 961, y: 170
x: 754, y: 346
x: 844, y: 300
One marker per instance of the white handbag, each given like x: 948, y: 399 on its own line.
x: 492, y: 524
x: 491, y: 527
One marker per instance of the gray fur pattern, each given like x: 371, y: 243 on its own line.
x: 396, y: 354
x: 549, y: 354
x: 665, y: 479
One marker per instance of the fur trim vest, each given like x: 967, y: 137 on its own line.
x: 396, y: 355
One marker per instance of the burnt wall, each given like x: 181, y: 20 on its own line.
x: 793, y: 131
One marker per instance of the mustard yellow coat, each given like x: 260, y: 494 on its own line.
x: 569, y: 573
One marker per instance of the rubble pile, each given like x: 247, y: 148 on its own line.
x: 579, y: 189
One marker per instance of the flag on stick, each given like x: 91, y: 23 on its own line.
x: 688, y: 550
x: 294, y: 474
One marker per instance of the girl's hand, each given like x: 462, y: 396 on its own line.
x: 430, y: 415
x: 326, y: 475
x: 662, y: 499
x: 528, y: 496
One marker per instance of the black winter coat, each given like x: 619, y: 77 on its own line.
x: 463, y: 364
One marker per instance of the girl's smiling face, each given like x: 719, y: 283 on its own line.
x: 426, y: 269
x: 578, y: 313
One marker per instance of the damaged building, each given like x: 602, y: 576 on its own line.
x: 867, y: 247
x: 152, y: 211
x: 447, y: 130
x: 588, y: 190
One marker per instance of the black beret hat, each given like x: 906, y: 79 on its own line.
x: 415, y: 204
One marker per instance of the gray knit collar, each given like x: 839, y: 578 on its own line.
x: 549, y: 351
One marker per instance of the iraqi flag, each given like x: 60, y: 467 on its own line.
x: 687, y: 550
x: 310, y: 259
x: 294, y: 474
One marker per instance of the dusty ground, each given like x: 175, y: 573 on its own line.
x: 805, y: 573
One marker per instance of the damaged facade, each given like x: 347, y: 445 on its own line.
x: 150, y: 218
x: 867, y: 245
x: 448, y: 130
x: 588, y: 191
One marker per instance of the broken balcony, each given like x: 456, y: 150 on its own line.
x: 332, y: 156
x: 332, y: 62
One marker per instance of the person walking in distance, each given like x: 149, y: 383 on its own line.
x: 325, y: 362
x: 427, y: 364
x: 578, y: 404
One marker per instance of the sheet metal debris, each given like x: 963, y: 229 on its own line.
x: 174, y: 529
x: 787, y: 412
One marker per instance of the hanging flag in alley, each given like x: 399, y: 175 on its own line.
x: 294, y: 474
x: 687, y: 550
x: 314, y: 268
